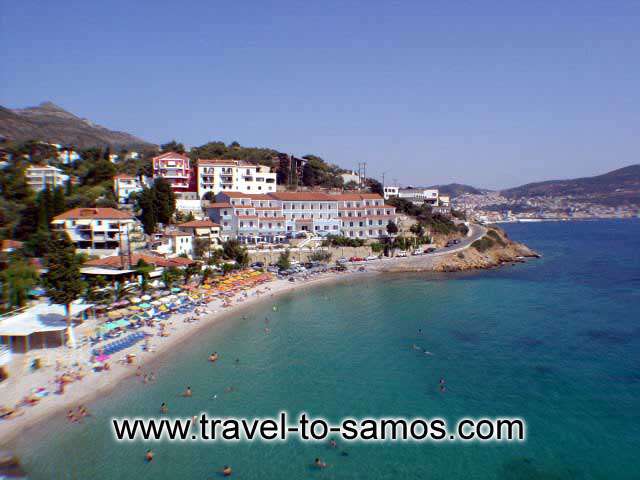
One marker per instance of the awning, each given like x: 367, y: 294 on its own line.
x: 39, y: 318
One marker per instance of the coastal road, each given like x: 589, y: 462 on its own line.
x: 425, y: 262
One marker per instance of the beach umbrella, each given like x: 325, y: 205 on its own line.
x: 145, y: 298
x: 175, y: 289
x: 145, y: 306
x: 157, y: 303
x: 135, y: 300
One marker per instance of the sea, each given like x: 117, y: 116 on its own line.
x: 554, y: 341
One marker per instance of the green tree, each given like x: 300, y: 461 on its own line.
x: 417, y: 229
x: 143, y: 270
x: 101, y: 171
x: 392, y: 228
x: 205, y: 275
x: 63, y: 281
x: 16, y: 280
x: 189, y: 271
x: 169, y: 276
x: 233, y: 250
x: 201, y: 248
x: 284, y: 262
x: 59, y: 202
x: 172, y: 146
x: 145, y: 203
x: 164, y: 200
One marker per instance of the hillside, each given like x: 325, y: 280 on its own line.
x: 618, y: 187
x: 456, y: 189
x: 51, y: 123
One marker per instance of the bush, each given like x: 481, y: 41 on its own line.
x: 377, y: 247
x: 484, y: 244
x: 320, y: 256
x: 496, y: 236
x: 338, y: 241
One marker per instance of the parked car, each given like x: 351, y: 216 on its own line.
x: 342, y: 260
x: 372, y: 257
x: 456, y: 241
x: 402, y: 253
x: 257, y: 265
x: 417, y: 252
x: 430, y: 250
x: 356, y: 259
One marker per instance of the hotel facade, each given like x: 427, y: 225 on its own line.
x: 274, y: 217
x: 97, y: 231
x: 219, y: 175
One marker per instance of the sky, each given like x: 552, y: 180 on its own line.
x: 489, y: 93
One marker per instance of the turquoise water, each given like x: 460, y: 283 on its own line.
x: 556, y: 341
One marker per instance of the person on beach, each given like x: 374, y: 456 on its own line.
x: 164, y: 408
x: 187, y: 392
x: 83, y: 411
x: 71, y: 416
x: 319, y: 463
x: 149, y: 455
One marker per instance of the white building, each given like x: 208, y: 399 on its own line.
x: 41, y: 176
x: 421, y: 196
x: 272, y: 217
x: 350, y: 177
x: 96, y: 231
x: 177, y: 243
x: 67, y: 156
x: 218, y: 175
x: 125, y: 185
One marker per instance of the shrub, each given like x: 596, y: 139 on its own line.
x: 483, y: 244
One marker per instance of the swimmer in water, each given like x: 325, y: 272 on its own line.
x: 443, y: 388
x: 213, y: 357
x: 187, y: 392
x: 267, y: 330
x: 319, y: 463
x: 442, y: 382
x: 237, y: 361
x: 149, y: 455
x: 226, y: 471
x: 332, y: 443
x: 164, y: 408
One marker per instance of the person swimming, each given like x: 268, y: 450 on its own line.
x: 187, y: 392
x: 319, y: 463
x: 164, y: 408
x: 213, y: 357
x: 226, y: 471
x: 333, y: 443
x: 442, y: 382
x: 443, y: 388
x: 149, y: 455
x: 71, y: 416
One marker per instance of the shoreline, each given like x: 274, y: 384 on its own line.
x: 96, y: 384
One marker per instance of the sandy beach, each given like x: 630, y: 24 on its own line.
x: 96, y: 384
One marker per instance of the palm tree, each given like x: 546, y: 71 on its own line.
x: 121, y: 290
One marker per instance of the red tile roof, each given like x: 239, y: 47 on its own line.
x: 303, y: 196
x: 117, y: 261
x: 219, y: 205
x: 252, y: 196
x: 171, y: 154
x: 358, y: 196
x: 94, y: 213
x: 198, y: 224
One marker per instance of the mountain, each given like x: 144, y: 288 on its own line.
x: 618, y: 187
x: 456, y: 189
x: 51, y: 123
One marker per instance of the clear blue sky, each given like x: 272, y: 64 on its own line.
x: 491, y: 93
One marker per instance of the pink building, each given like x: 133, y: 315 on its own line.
x: 176, y: 169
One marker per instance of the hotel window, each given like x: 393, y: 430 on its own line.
x: 242, y: 224
x: 370, y: 232
x: 335, y: 227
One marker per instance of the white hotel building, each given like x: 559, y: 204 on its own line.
x: 39, y: 177
x: 96, y: 231
x: 220, y: 175
x: 272, y: 217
